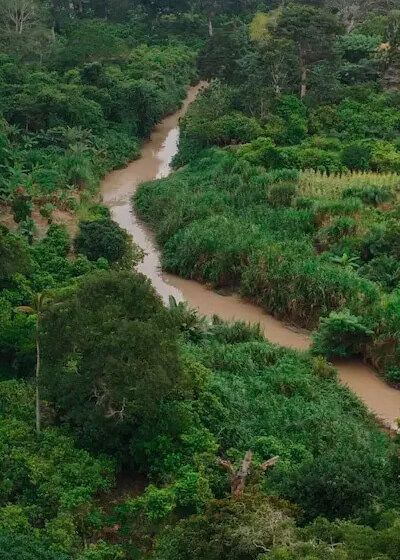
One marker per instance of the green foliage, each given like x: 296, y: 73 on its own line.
x: 393, y: 375
x: 197, y: 128
x: 228, y: 529
x: 90, y: 40
x: 249, y: 244
x: 14, y: 545
x: 341, y: 335
x: 370, y: 195
x: 68, y: 128
x: 292, y: 113
x: 219, y: 57
x: 382, y: 239
x: 320, y: 246
x: 234, y: 128
x: 384, y: 270
x: 356, y: 46
x: 357, y: 156
x: 214, y: 250
x: 264, y: 152
x: 343, y: 540
x: 14, y: 255
x: 104, y: 238
x: 102, y: 551
x: 281, y: 194
x: 27, y: 270
x: 21, y: 206
x: 48, y: 484
x: 66, y: 123
x: 91, y: 339
x: 338, y: 229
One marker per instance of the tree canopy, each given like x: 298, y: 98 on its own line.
x: 161, y: 434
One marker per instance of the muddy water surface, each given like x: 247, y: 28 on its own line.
x: 118, y: 187
x: 155, y: 160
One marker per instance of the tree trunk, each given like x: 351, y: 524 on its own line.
x: 37, y: 377
x: 239, y: 480
x: 349, y: 25
x: 210, y: 25
x: 238, y: 477
x: 303, y: 87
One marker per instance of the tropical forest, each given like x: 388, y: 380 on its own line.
x: 199, y: 279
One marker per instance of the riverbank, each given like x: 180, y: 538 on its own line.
x: 117, y: 189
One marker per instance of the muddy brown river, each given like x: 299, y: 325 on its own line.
x: 117, y: 190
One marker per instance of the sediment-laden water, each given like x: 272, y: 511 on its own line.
x: 117, y: 190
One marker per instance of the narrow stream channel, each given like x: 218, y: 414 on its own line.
x: 117, y: 190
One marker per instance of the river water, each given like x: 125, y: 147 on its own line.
x: 117, y: 190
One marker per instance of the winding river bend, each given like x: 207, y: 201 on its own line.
x: 117, y: 190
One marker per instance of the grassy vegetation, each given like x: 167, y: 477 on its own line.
x: 135, y: 431
x: 283, y: 245
x: 320, y: 185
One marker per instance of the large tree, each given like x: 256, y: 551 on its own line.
x: 353, y: 12
x: 24, y: 27
x: 220, y: 56
x: 313, y: 31
x: 110, y: 357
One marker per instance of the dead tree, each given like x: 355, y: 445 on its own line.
x: 238, y: 477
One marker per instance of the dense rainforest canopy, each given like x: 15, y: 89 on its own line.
x: 131, y: 430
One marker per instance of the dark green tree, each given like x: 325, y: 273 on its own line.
x: 313, y: 31
x: 220, y: 56
x: 14, y: 256
x: 237, y: 529
x: 106, y: 239
x: 25, y: 546
x: 24, y: 28
x: 110, y: 357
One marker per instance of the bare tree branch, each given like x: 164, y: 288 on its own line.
x: 238, y: 477
x: 270, y: 463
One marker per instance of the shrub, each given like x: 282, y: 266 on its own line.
x: 283, y: 174
x: 385, y: 157
x: 369, y: 195
x: 105, y: 238
x: 324, y: 143
x: 325, y: 208
x: 57, y: 240
x: 47, y: 210
x: 337, y: 229
x: 357, y: 156
x: 281, y: 194
x: 303, y: 290
x: 341, y: 334
x: 233, y: 529
x: 14, y: 255
x: 319, y: 160
x: 234, y: 128
x: 26, y: 547
x: 292, y: 111
x: 263, y: 151
x: 384, y: 270
x: 382, y: 239
x: 393, y: 375
x: 215, y: 250
x: 21, y: 205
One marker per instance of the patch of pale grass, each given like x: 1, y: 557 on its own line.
x: 319, y: 185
